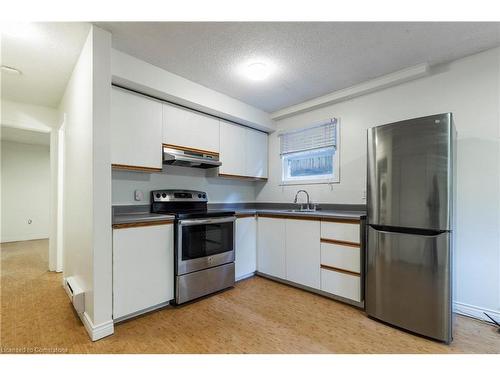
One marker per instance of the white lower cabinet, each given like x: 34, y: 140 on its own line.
x: 271, y: 249
x: 246, y: 247
x: 323, y: 255
x: 289, y: 249
x: 143, y: 268
x: 341, y: 256
x: 341, y: 284
x: 303, y: 252
x: 347, y: 231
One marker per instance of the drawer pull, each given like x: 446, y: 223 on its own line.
x: 339, y: 242
x: 330, y: 268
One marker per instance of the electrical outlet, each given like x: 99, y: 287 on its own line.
x: 138, y: 195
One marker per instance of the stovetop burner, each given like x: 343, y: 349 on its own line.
x: 184, y: 204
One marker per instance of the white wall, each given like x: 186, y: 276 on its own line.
x: 101, y: 175
x: 87, y: 179
x: 25, y: 189
x: 139, y: 75
x: 76, y: 104
x: 219, y: 189
x: 469, y: 88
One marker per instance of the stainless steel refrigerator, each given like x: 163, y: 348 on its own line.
x: 410, y: 194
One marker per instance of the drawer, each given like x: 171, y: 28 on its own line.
x: 341, y: 256
x: 341, y: 284
x: 341, y: 231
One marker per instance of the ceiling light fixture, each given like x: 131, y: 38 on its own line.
x: 257, y: 71
x: 11, y: 70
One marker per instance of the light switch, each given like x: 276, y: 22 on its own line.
x: 138, y: 195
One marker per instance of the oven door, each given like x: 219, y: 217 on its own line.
x: 204, y: 243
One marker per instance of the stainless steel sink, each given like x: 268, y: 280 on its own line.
x: 304, y: 210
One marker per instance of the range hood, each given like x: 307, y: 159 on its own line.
x: 189, y: 158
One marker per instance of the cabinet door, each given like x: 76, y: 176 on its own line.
x: 303, y: 252
x: 256, y: 153
x: 136, y: 130
x: 232, y: 149
x: 143, y: 268
x: 246, y: 247
x: 271, y: 246
x: 185, y: 128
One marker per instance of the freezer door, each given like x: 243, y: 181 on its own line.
x: 408, y: 281
x: 409, y: 173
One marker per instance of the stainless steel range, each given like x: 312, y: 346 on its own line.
x: 204, y: 243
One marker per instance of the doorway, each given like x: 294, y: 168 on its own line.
x: 25, y: 186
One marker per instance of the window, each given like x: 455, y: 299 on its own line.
x: 310, y: 155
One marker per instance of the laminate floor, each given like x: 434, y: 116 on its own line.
x: 257, y: 316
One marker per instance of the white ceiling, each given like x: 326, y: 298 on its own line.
x: 46, y: 54
x: 24, y: 136
x: 311, y: 59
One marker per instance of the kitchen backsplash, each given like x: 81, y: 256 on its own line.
x: 219, y: 189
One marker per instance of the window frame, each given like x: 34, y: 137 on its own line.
x: 313, y: 181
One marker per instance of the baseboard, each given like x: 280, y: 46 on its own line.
x: 475, y: 311
x: 247, y: 276
x: 26, y: 238
x: 141, y: 312
x: 99, y: 331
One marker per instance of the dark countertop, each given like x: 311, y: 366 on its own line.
x: 339, y: 211
x: 126, y: 214
x: 332, y: 214
x: 139, y: 218
x: 136, y: 214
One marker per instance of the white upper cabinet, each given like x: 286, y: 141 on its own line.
x: 243, y: 151
x: 136, y: 129
x: 256, y: 153
x: 232, y: 149
x: 190, y: 129
x: 139, y: 126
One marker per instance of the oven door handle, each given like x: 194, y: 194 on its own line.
x: 190, y: 222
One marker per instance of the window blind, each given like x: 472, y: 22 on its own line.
x: 319, y: 136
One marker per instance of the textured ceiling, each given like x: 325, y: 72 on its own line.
x: 310, y: 59
x: 46, y: 54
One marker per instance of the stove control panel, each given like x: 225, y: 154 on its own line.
x: 178, y: 195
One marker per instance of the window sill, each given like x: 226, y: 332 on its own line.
x: 306, y: 182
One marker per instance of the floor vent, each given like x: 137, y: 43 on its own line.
x: 75, y: 293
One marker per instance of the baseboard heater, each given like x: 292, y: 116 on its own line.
x: 75, y: 294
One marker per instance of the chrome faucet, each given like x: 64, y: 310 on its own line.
x: 307, y: 195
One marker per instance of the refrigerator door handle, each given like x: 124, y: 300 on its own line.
x: 415, y: 231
